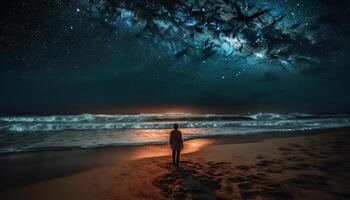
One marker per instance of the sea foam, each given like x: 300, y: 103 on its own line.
x: 23, y: 133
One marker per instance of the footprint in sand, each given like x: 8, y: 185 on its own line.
x: 243, y: 167
x: 300, y: 166
x: 261, y: 193
x: 299, y: 146
x: 259, y: 157
x: 265, y: 163
x: 285, y: 149
x: 187, y: 181
x: 309, y: 181
x: 294, y: 158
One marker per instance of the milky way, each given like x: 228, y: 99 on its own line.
x: 251, y: 32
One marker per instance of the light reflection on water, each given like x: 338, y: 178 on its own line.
x: 157, y: 135
x: 150, y: 135
x: 165, y: 150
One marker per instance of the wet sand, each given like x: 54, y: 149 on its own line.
x: 269, y: 166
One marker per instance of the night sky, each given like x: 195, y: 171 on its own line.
x: 106, y: 56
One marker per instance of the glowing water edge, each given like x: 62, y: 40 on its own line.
x: 28, y: 133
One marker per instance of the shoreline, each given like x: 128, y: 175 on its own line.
x: 30, y: 173
x: 262, y: 134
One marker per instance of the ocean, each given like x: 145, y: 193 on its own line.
x: 29, y: 133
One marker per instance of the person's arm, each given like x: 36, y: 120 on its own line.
x: 181, y: 141
x: 171, y: 140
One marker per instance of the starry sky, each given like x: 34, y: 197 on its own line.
x: 106, y: 56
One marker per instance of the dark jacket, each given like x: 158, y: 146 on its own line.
x: 176, y: 139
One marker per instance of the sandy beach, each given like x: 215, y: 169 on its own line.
x: 268, y: 166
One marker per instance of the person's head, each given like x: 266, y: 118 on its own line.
x: 176, y: 126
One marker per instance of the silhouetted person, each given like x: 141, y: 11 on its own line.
x: 176, y: 144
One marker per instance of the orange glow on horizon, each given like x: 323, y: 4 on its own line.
x: 159, y: 109
x: 174, y: 111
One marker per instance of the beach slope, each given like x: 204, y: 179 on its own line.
x: 272, y: 166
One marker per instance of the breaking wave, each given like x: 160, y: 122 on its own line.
x: 159, y: 121
x: 23, y: 133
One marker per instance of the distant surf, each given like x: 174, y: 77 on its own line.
x: 26, y: 133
